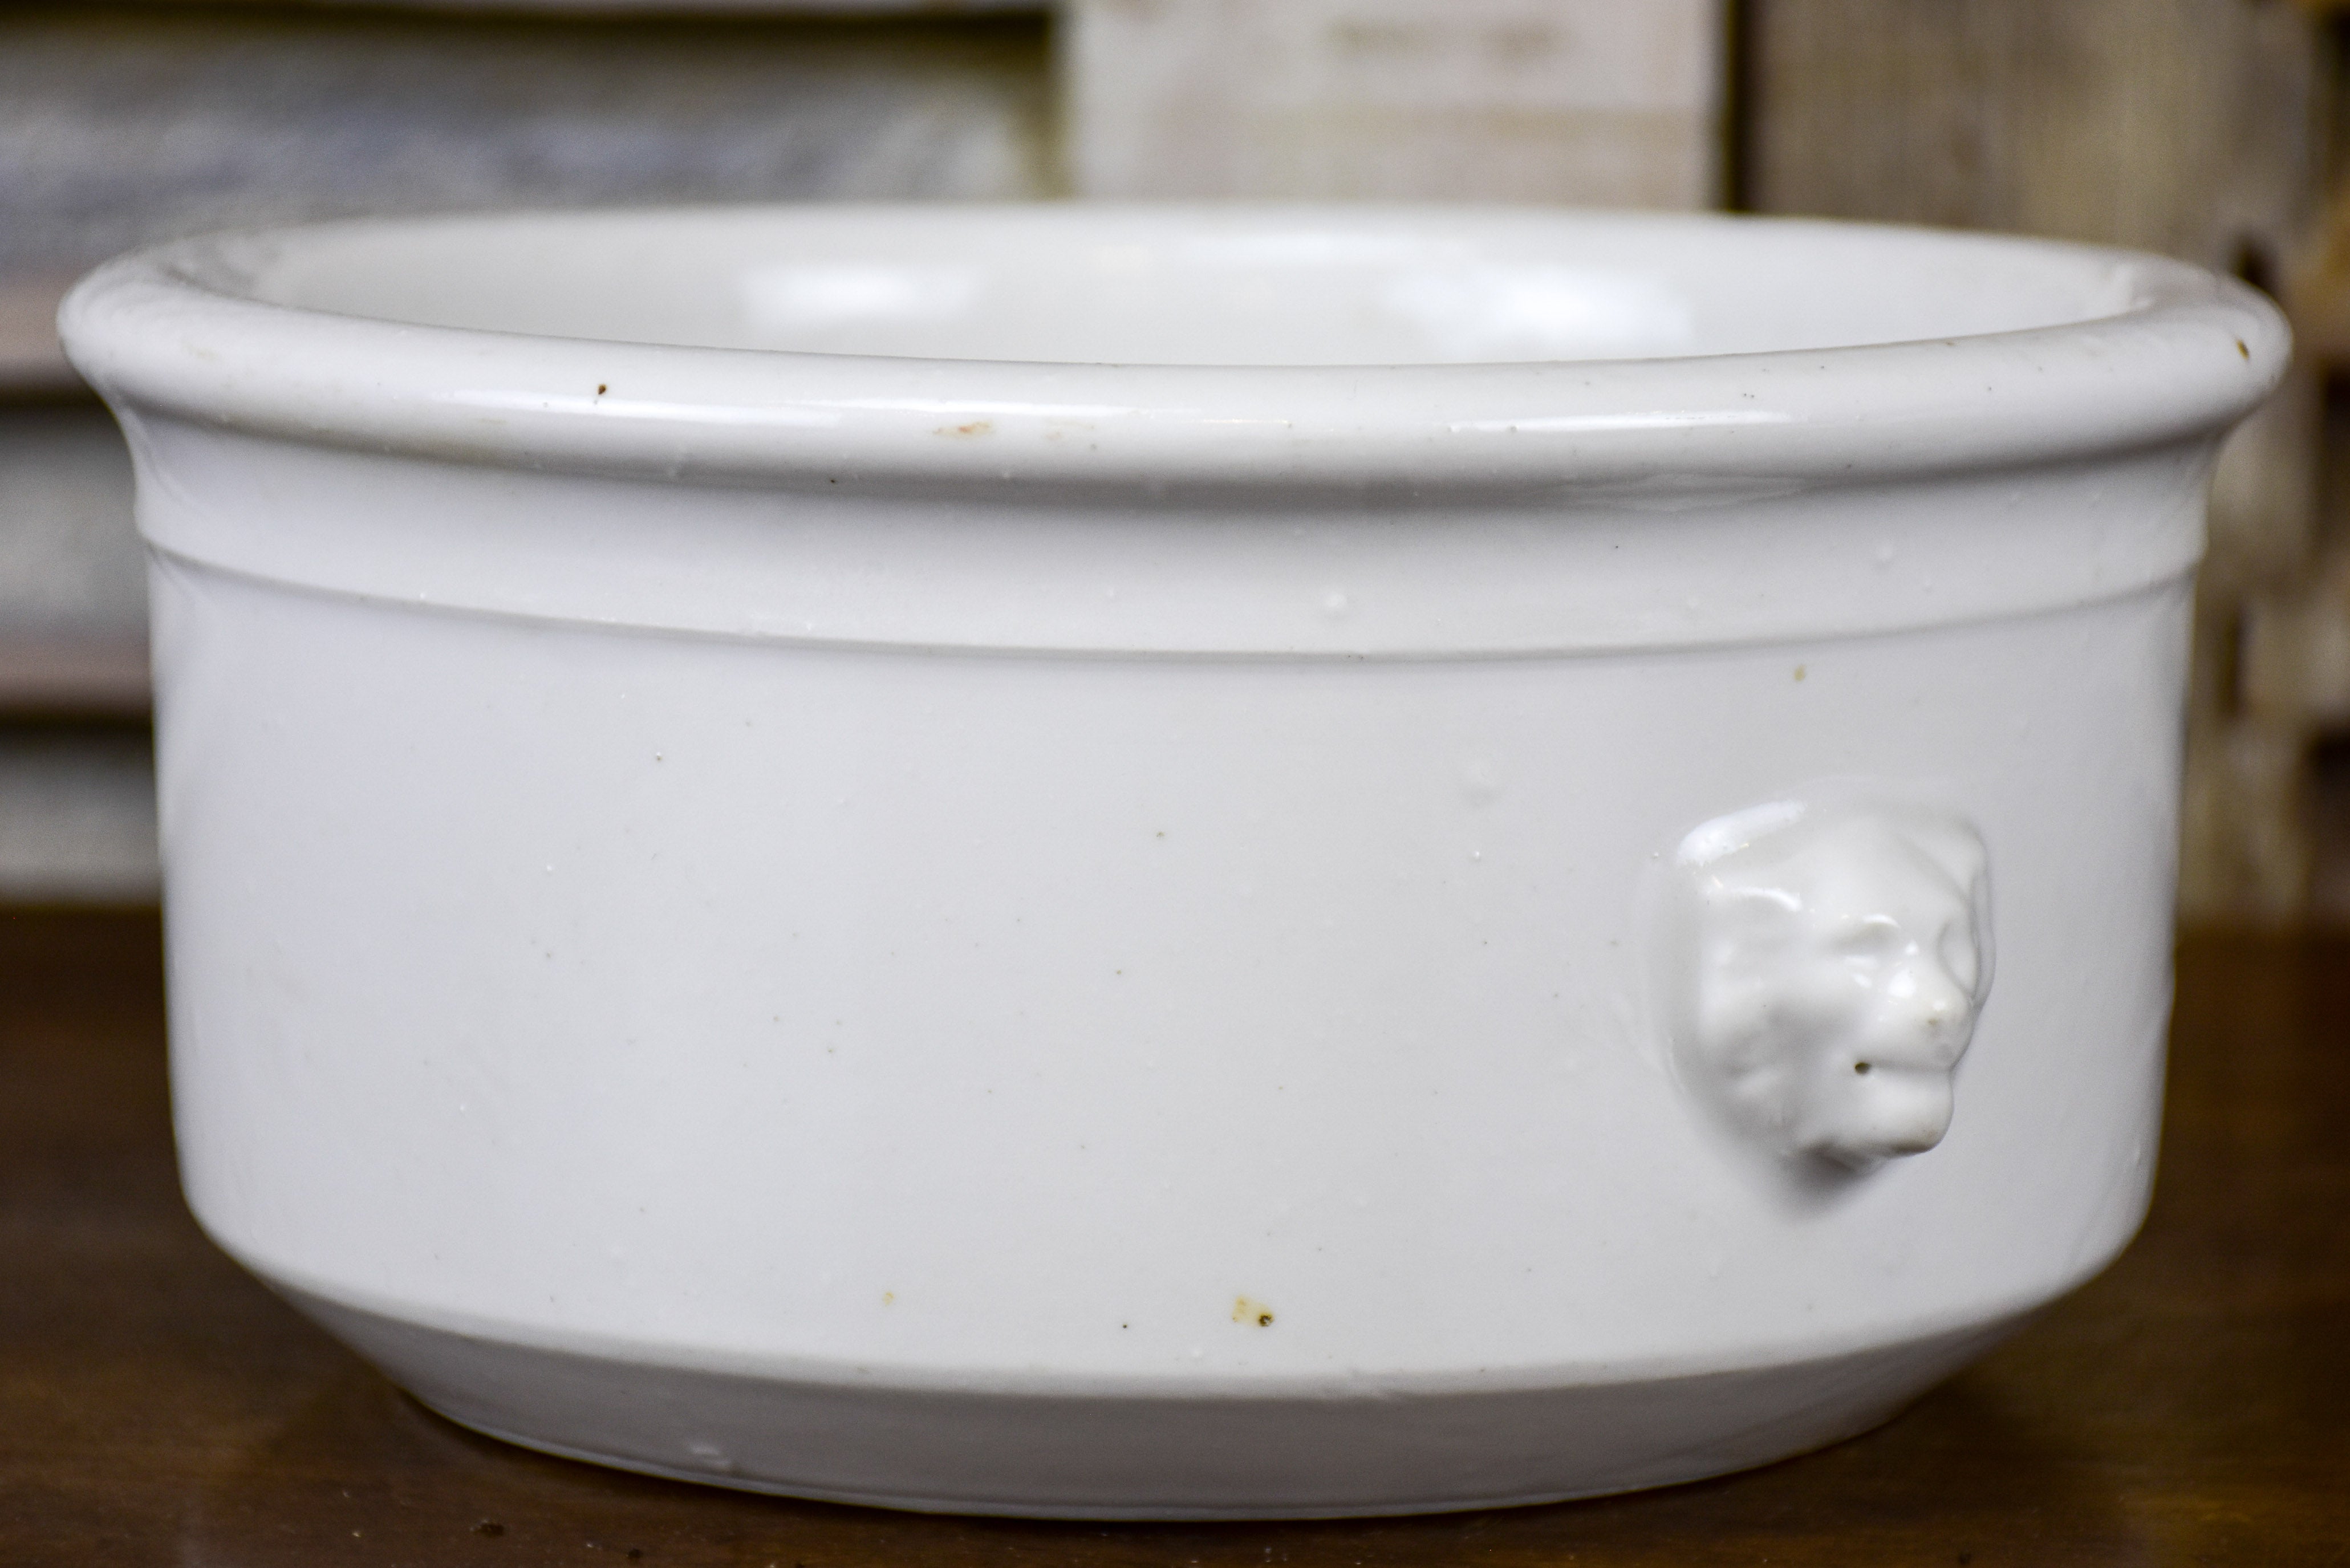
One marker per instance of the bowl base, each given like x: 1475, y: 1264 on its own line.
x: 949, y: 1449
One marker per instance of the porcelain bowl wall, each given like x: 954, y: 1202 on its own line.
x: 1170, y: 861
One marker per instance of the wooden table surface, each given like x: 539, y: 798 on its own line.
x: 156, y: 1405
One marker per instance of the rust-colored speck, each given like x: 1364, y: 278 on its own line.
x: 976, y: 428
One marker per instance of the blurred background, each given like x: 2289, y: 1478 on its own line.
x: 2207, y: 129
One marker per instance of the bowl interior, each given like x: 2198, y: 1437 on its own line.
x: 1193, y: 285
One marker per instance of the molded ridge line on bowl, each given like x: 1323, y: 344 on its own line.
x: 1435, y: 583
x: 330, y: 1303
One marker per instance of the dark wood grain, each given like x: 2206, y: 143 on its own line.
x: 158, y: 1407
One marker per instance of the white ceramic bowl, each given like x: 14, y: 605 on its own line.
x: 1169, y: 861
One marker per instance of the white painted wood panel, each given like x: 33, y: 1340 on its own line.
x: 1594, y: 102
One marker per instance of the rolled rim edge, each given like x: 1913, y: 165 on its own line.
x: 151, y: 332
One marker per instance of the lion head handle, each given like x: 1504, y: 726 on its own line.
x: 1831, y: 961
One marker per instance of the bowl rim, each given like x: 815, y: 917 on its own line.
x: 173, y: 330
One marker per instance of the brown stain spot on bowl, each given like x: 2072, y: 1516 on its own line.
x: 2241, y: 349
x: 1247, y: 1311
x: 976, y: 428
x: 602, y: 388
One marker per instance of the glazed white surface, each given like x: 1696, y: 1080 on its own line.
x: 733, y: 904
x: 1252, y: 287
x: 1004, y: 1018
x: 2147, y: 350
